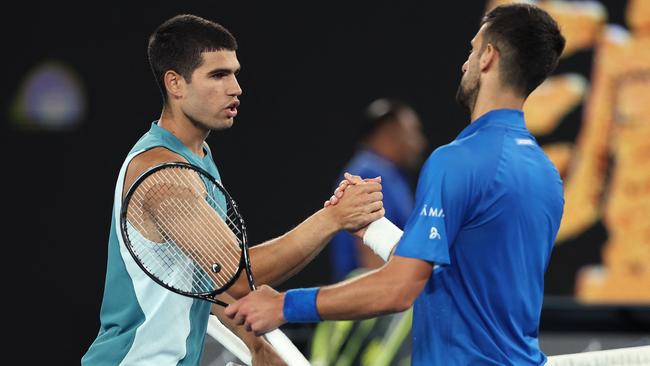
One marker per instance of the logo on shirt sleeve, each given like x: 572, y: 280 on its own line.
x: 434, y: 233
x: 432, y: 211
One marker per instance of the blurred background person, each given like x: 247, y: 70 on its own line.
x: 391, y: 145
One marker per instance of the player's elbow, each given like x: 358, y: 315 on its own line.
x: 401, y: 300
x: 405, y: 293
x: 401, y: 303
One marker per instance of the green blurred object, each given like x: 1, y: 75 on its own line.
x: 380, y: 341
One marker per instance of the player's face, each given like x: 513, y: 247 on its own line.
x: 470, y: 83
x: 412, y: 140
x: 211, y: 98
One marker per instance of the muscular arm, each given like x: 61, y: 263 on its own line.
x: 278, y: 259
x: 391, y: 288
x: 147, y: 160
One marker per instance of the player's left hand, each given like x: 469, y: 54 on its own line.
x: 260, y: 311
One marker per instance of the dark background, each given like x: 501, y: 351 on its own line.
x: 308, y: 69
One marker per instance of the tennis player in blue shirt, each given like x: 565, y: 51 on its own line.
x: 488, y: 207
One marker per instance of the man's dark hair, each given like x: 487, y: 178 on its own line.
x: 529, y: 43
x: 177, y: 45
x: 379, y: 113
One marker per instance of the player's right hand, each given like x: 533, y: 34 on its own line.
x: 349, y: 179
x: 361, y: 205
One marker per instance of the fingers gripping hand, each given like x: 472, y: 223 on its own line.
x: 349, y: 179
x: 362, y: 205
x: 260, y: 311
x: 338, y: 193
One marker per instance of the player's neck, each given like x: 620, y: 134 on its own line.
x: 490, y: 99
x: 186, y: 131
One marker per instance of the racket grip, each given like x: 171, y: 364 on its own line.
x: 286, y: 349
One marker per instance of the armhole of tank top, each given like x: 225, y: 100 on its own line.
x: 207, y: 148
x: 129, y: 159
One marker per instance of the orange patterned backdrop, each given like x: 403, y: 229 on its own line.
x: 606, y: 170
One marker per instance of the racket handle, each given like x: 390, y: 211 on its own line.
x: 286, y: 349
x: 228, y: 339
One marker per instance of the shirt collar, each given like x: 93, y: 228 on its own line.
x: 504, y: 117
x: 165, y: 135
x: 172, y: 140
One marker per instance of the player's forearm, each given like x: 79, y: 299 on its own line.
x: 278, y: 259
x: 367, y: 296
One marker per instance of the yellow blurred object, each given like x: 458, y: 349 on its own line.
x: 637, y: 15
x: 560, y: 155
x: 624, y: 69
x: 595, y: 284
x: 606, y: 172
x: 584, y: 186
x: 551, y: 101
x: 580, y: 22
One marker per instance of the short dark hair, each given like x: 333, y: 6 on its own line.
x: 377, y: 114
x: 529, y: 42
x: 177, y: 45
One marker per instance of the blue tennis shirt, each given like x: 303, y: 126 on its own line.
x: 488, y: 208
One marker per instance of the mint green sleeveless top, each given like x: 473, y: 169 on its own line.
x: 143, y: 323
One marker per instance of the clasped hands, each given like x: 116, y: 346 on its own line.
x: 262, y: 310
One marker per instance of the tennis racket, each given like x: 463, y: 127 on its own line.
x: 185, y: 231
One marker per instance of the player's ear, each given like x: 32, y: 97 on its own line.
x: 488, y: 57
x: 174, y: 83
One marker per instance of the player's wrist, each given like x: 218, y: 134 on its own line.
x: 331, y: 223
x: 299, y: 305
x: 381, y: 236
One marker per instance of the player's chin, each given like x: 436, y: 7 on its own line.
x: 223, y: 123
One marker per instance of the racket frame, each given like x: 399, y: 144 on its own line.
x: 244, y: 260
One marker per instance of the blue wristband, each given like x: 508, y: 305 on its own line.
x: 300, y: 305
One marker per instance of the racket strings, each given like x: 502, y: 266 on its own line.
x: 179, y: 210
x: 172, y: 266
x: 184, y: 217
x: 176, y: 260
x: 225, y: 235
x: 204, y: 281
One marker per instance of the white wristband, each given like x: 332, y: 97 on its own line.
x: 382, y: 236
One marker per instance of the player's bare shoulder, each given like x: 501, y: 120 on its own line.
x: 147, y: 160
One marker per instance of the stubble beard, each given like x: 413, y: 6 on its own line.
x: 466, y: 96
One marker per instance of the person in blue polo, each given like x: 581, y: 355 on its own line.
x: 391, y: 145
x: 473, y: 254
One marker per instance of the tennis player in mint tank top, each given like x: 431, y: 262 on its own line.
x: 141, y: 323
x: 488, y: 208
